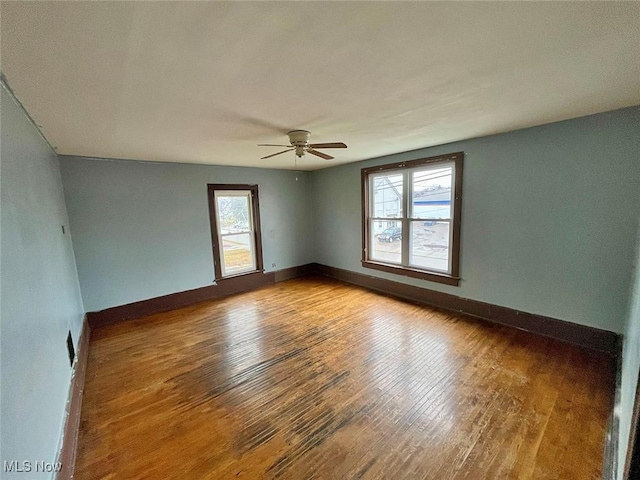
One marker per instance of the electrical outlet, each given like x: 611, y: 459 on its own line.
x: 273, y: 265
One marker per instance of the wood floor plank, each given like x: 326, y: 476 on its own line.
x: 314, y: 378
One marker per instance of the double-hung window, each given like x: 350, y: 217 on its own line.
x: 411, y: 218
x: 235, y: 229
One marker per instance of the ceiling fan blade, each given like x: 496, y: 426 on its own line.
x: 328, y: 145
x: 271, y: 145
x: 273, y: 155
x: 320, y: 154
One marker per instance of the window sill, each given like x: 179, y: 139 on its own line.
x: 241, y: 274
x: 410, y: 272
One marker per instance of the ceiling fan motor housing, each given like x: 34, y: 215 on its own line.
x: 299, y: 138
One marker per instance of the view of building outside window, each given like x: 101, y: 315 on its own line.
x: 429, y: 218
x: 387, y: 205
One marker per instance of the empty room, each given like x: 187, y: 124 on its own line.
x: 330, y: 240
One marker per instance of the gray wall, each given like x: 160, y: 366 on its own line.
x: 40, y: 296
x: 630, y: 366
x: 549, y: 218
x: 141, y: 229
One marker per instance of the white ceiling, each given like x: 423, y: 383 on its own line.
x: 204, y: 82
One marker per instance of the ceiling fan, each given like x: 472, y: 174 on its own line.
x: 299, y: 141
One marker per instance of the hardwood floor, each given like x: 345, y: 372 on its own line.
x: 313, y: 378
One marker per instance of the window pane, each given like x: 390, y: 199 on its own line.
x: 233, y: 213
x: 386, y: 191
x: 386, y: 241
x: 429, y: 246
x: 237, y: 254
x: 432, y: 192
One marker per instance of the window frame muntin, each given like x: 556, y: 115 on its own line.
x: 455, y: 222
x: 213, y: 222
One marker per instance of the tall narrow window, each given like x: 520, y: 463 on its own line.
x: 411, y: 218
x: 235, y: 229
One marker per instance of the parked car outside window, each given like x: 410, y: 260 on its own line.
x: 390, y: 234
